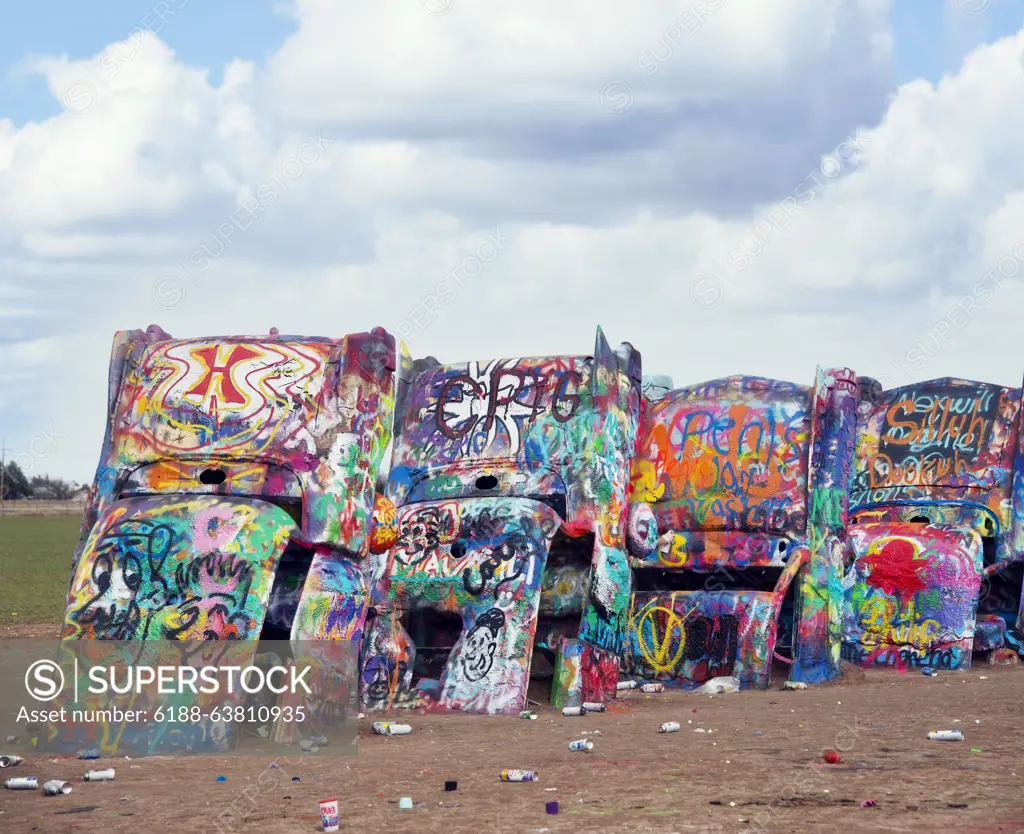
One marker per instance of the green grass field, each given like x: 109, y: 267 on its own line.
x: 35, y: 566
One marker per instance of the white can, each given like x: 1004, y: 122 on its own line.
x: 653, y: 687
x: 99, y: 775
x: 329, y: 814
x: 583, y: 745
x: 22, y: 783
x: 624, y: 685
x: 592, y: 707
x: 55, y: 787
x: 386, y: 728
x: 669, y: 727
x: 946, y: 735
x: 574, y: 711
x: 10, y: 761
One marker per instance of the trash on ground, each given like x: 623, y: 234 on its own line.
x: 946, y: 735
x: 720, y: 686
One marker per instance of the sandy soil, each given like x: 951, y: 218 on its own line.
x: 764, y: 755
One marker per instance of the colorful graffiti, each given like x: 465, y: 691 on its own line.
x: 912, y: 595
x: 557, y: 433
x: 736, y: 473
x: 166, y: 568
x: 480, y: 558
x: 946, y: 440
x: 563, y: 510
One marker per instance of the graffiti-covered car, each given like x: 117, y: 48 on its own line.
x: 741, y: 482
x: 934, y: 570
x: 235, y: 488
x: 509, y: 480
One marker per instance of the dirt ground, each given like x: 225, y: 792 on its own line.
x: 764, y: 755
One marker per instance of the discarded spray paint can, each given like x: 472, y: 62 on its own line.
x: 329, y: 814
x: 592, y: 707
x: 583, y: 745
x: 669, y: 727
x: 791, y: 685
x: 12, y: 739
x: 56, y: 788
x: 319, y: 741
x: 10, y: 761
x: 624, y: 685
x: 527, y: 715
x: 22, y: 783
x: 574, y: 711
x: 386, y: 728
x: 99, y: 775
x: 946, y: 735
x: 519, y: 776
x: 653, y: 687
x: 307, y: 746
x: 91, y: 753
x: 929, y: 672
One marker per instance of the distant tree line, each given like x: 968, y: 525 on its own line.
x: 17, y: 486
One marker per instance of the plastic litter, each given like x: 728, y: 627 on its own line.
x: 868, y: 803
x: 929, y: 672
x: 91, y: 753
x: 527, y: 715
x: 551, y: 807
x: 451, y: 785
x: 222, y: 778
x: 790, y: 686
x: 405, y: 803
x: 720, y: 686
x: 831, y: 756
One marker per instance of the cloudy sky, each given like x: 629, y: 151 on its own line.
x: 734, y: 186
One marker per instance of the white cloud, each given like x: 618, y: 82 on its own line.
x: 440, y: 130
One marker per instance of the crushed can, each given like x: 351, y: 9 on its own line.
x: 669, y: 727
x: 928, y: 671
x: 22, y: 783
x: 593, y: 707
x: 793, y: 685
x: 519, y: 776
x: 946, y: 735
x: 583, y: 745
x: 574, y: 711
x: 319, y: 741
x: 621, y: 686
x: 10, y: 761
x: 56, y: 788
x: 527, y: 715
x: 91, y: 753
x: 99, y: 775
x: 653, y: 687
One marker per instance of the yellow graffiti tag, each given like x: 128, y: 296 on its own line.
x: 656, y: 654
